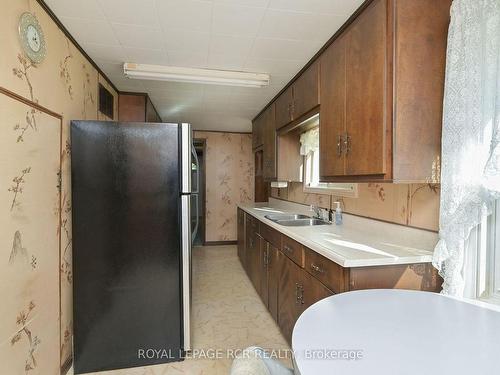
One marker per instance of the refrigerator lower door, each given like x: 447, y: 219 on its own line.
x: 186, y: 268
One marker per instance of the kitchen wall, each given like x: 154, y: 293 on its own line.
x: 229, y: 174
x: 35, y: 205
x: 415, y: 205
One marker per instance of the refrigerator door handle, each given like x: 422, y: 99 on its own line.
x: 197, y: 162
x: 186, y: 145
x: 197, y: 213
x: 186, y: 268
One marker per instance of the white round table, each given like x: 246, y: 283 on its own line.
x: 395, y: 332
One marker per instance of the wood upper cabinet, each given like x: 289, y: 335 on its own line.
x: 332, y: 110
x: 257, y: 132
x: 381, y: 86
x: 269, y: 140
x: 306, y: 91
x: 299, y: 98
x: 284, y: 104
x: 136, y: 107
x: 366, y: 92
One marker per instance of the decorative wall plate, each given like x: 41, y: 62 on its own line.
x: 32, y: 38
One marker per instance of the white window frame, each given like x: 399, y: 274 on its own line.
x: 485, y: 254
x: 329, y: 188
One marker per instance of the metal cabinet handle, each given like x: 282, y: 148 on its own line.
x: 347, y: 143
x: 251, y: 242
x: 339, y: 145
x: 266, y: 258
x: 299, y: 294
x: 287, y: 249
x: 317, y: 268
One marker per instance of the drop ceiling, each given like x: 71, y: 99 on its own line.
x: 266, y: 36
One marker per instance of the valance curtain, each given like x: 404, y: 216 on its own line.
x: 470, y: 166
x: 309, y: 141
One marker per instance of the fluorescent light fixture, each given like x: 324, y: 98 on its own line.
x: 195, y: 75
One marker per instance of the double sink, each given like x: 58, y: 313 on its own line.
x: 296, y: 220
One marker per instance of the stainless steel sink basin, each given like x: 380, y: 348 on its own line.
x: 278, y: 217
x: 302, y: 222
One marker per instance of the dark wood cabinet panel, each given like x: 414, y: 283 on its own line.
x: 312, y: 291
x: 269, y: 134
x: 366, y: 91
x: 136, y: 107
x: 289, y: 303
x: 270, y: 235
x: 284, y: 104
x: 274, y: 264
x: 306, y: 91
x: 261, y: 186
x: 263, y: 271
x: 293, y: 250
x: 329, y: 273
x: 257, y: 132
x: 241, y: 237
x: 332, y: 110
x: 151, y: 114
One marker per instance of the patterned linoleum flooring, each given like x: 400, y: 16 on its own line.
x: 227, y: 314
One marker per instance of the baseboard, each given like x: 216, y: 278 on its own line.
x: 66, y: 365
x: 220, y: 243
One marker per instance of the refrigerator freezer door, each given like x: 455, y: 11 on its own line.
x: 186, y: 268
x: 126, y: 244
x: 186, y: 143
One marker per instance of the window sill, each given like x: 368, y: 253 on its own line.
x: 349, y: 193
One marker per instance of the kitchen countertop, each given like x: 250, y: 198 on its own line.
x: 358, y: 242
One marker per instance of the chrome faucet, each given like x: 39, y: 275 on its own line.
x: 317, y: 211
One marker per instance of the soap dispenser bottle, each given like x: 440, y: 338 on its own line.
x: 338, y: 214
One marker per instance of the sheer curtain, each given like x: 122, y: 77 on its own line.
x: 470, y: 166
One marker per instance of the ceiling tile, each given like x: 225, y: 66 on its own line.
x: 273, y: 66
x: 231, y: 45
x: 300, y: 26
x: 225, y: 62
x: 138, y: 36
x: 115, y: 54
x: 88, y: 9
x: 130, y: 12
x: 236, y: 20
x: 86, y: 31
x: 253, y: 3
x: 185, y: 40
x: 185, y: 14
x: 284, y: 49
x: 188, y: 59
x: 338, y: 7
x: 146, y: 56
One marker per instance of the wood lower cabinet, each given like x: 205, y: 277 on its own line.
x: 241, y: 236
x: 290, y: 277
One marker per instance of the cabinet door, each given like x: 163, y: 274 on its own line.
x: 306, y: 91
x: 264, y: 274
x: 250, y: 243
x: 366, y: 91
x: 311, y: 291
x: 284, y: 108
x: 257, y: 129
x: 332, y: 111
x: 274, y: 261
x: 269, y: 144
x: 241, y: 236
x: 289, y: 304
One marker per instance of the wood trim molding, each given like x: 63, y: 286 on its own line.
x: 31, y: 103
x: 342, y: 28
x: 65, y: 31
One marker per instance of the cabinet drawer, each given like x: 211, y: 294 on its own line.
x: 252, y: 224
x: 270, y: 235
x: 328, y: 272
x: 293, y: 250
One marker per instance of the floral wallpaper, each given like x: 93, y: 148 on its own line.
x: 229, y: 181
x: 416, y: 205
x: 67, y: 84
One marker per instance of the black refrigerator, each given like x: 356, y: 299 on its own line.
x: 132, y: 229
